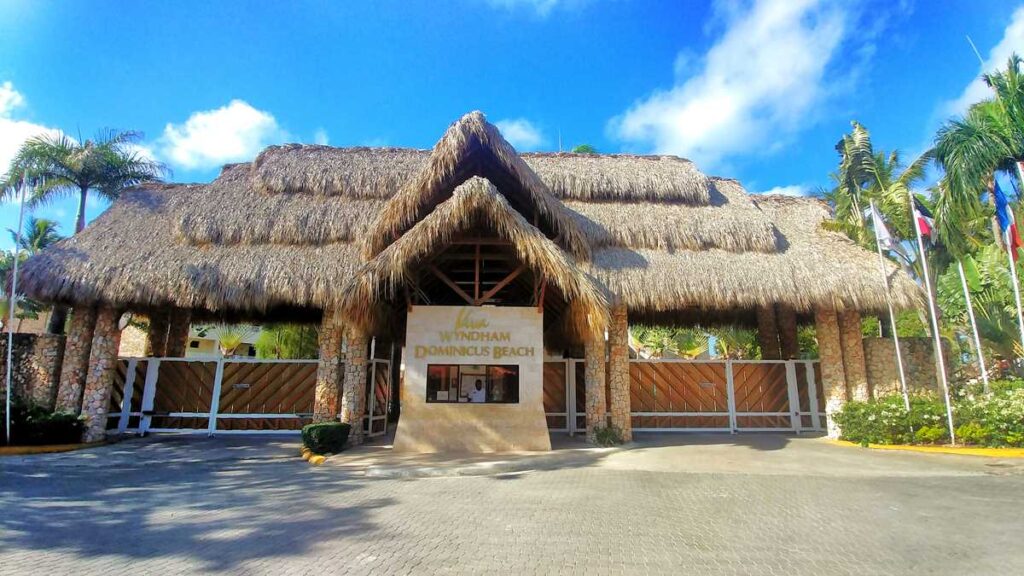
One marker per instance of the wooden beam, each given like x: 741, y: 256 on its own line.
x: 444, y: 278
x: 540, y: 301
x: 505, y: 281
x: 481, y: 241
x: 408, y: 297
x: 476, y: 274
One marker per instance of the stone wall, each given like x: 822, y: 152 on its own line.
x: 918, y: 365
x: 133, y: 342
x: 37, y: 359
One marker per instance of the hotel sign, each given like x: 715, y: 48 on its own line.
x: 472, y: 335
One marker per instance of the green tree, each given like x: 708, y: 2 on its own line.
x: 287, y: 341
x: 584, y: 149
x: 38, y: 234
x: 59, y: 167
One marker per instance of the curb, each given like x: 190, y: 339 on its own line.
x: 955, y: 450
x: 49, y: 448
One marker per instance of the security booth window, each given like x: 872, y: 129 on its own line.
x: 473, y: 383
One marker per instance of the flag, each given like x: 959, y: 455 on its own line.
x: 924, y: 220
x: 1007, y: 222
x: 882, y: 234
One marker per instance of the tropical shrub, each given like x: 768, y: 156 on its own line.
x: 325, y: 437
x: 35, y: 426
x: 992, y: 419
x: 607, y: 436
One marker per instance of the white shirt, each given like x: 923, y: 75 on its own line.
x: 479, y: 396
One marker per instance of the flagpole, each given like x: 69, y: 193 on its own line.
x: 974, y: 326
x: 892, y: 315
x: 1009, y: 252
x: 935, y: 321
x: 10, y: 318
x: 1016, y: 285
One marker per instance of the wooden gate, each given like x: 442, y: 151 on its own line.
x: 212, y: 395
x: 378, y: 396
x: 730, y: 395
x: 678, y: 395
x: 565, y: 403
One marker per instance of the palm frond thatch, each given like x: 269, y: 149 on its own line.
x: 474, y: 203
x: 472, y: 146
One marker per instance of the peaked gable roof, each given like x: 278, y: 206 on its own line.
x: 472, y: 146
x: 473, y: 203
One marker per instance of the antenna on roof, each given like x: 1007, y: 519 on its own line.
x: 976, y: 53
x: 559, y: 139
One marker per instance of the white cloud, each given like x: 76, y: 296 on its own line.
x: 541, y: 7
x: 759, y: 83
x: 9, y: 99
x: 1012, y: 41
x: 14, y: 133
x: 210, y: 138
x: 521, y: 133
x: 320, y: 137
x: 791, y: 190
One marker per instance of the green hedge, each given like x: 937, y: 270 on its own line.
x: 35, y: 426
x: 325, y: 437
x: 982, y: 419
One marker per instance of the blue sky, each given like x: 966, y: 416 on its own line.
x: 758, y: 90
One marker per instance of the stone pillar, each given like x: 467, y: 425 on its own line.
x: 328, y: 372
x: 833, y: 376
x: 767, y: 333
x: 618, y: 372
x: 76, y: 360
x: 593, y: 363
x: 852, y: 340
x: 177, y: 333
x: 353, y: 399
x: 102, y: 363
x: 785, y: 319
x: 156, y: 337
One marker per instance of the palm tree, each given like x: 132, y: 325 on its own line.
x: 38, y: 234
x: 865, y: 175
x: 989, y: 138
x: 61, y: 167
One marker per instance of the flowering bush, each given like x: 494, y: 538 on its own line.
x: 995, y: 418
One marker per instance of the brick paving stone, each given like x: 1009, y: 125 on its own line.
x: 166, y: 512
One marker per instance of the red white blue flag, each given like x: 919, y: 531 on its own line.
x: 1007, y: 223
x: 924, y: 220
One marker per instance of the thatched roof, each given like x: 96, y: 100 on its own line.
x: 131, y: 256
x: 729, y: 220
x: 472, y: 146
x: 474, y: 204
x: 306, y: 227
x: 812, y: 267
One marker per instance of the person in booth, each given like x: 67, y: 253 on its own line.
x: 478, y: 394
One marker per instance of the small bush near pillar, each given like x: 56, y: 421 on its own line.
x: 607, y: 436
x: 35, y: 426
x: 325, y: 437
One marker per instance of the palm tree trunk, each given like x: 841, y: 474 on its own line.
x: 80, y: 222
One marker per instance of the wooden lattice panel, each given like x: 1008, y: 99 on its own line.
x: 266, y: 388
x: 183, y: 387
x: 761, y: 388
x: 678, y: 387
x: 554, y: 393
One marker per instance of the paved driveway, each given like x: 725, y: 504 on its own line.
x: 713, y: 505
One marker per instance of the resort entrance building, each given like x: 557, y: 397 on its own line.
x: 475, y: 296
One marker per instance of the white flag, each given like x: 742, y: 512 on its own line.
x: 885, y: 239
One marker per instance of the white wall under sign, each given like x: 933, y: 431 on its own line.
x: 505, y: 340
